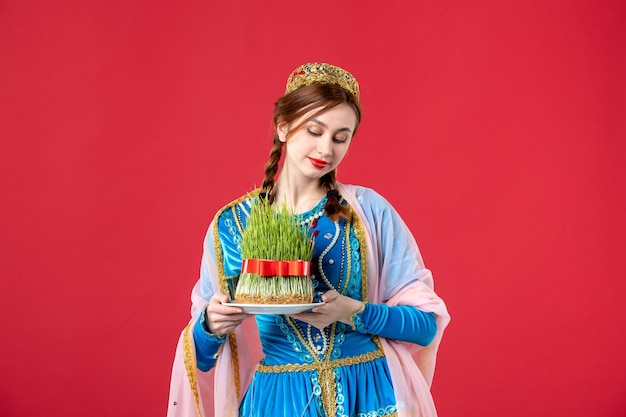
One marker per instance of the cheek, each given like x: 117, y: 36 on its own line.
x: 344, y: 149
x: 296, y: 145
x: 341, y: 153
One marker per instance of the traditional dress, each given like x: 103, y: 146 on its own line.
x: 381, y: 366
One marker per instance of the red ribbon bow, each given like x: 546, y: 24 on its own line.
x: 273, y: 268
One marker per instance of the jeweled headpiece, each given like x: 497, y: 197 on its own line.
x: 316, y: 72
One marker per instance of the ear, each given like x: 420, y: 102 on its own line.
x: 282, y: 128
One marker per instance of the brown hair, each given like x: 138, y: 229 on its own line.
x: 291, y: 107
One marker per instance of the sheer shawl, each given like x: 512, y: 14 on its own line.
x: 396, y: 276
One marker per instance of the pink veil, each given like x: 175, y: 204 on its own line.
x: 412, y: 367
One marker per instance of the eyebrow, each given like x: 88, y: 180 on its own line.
x: 343, y: 129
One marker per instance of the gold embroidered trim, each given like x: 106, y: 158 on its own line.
x: 304, y: 367
x: 325, y: 374
x: 326, y: 377
x: 219, y: 259
x: 237, y: 221
x: 298, y: 333
x: 190, y: 366
x: 217, y: 243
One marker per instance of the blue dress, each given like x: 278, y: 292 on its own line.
x: 338, y: 371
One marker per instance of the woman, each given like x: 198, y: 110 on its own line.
x: 370, y: 348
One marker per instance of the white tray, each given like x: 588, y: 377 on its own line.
x: 275, y: 308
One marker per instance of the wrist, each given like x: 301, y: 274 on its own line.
x: 205, y: 322
x: 355, y: 319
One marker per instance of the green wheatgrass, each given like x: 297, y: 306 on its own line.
x: 274, y: 235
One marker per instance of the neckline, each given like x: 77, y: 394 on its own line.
x: 309, y: 217
x: 319, y: 207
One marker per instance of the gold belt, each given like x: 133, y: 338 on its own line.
x: 325, y: 374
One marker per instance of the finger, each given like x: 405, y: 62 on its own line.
x: 228, y: 311
x: 235, y: 317
x: 309, y: 318
x: 303, y: 316
x: 223, y: 324
x: 317, y: 320
x: 330, y: 296
x: 219, y: 304
x: 221, y: 297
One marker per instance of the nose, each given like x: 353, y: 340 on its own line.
x: 324, y: 145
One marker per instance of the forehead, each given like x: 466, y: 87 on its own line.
x: 339, y: 116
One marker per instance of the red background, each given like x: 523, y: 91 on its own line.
x: 496, y: 128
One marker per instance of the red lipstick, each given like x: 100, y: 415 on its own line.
x: 318, y: 163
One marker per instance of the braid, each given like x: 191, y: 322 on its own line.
x: 271, y: 167
x: 333, y: 208
x: 294, y: 109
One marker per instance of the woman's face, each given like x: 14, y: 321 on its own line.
x: 319, y: 145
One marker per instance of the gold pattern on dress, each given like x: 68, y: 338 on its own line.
x: 305, y: 367
x: 326, y: 379
x: 190, y: 366
x: 222, y: 279
x: 237, y: 222
x: 301, y: 336
x: 376, y: 340
x: 325, y: 368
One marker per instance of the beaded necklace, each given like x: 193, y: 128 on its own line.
x: 318, y: 211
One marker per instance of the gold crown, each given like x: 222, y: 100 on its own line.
x: 316, y: 72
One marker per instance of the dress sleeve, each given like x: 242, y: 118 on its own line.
x: 207, y: 344
x: 221, y: 247
x: 405, y: 323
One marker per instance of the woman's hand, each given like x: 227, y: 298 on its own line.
x: 222, y: 318
x: 337, y: 308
